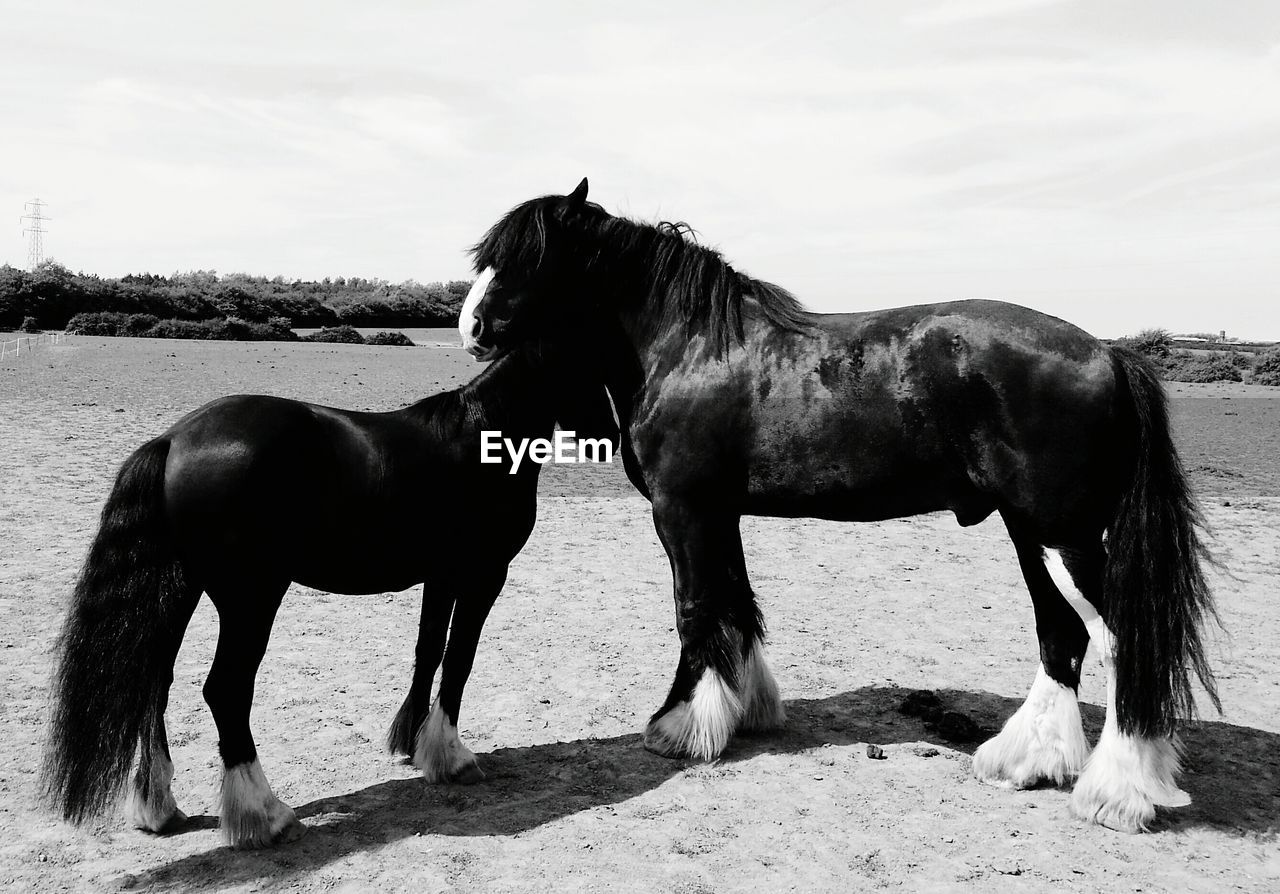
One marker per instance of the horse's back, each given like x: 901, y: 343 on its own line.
x: 979, y: 321
x: 963, y: 405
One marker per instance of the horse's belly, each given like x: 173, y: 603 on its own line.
x: 369, y: 561
x: 867, y: 501
x: 356, y: 581
x: 853, y: 488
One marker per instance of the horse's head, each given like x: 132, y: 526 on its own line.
x: 529, y: 283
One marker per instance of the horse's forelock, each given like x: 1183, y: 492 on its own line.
x: 517, y: 243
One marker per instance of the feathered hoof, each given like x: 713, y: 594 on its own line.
x: 1130, y: 814
x: 467, y: 774
x: 700, y: 727
x: 252, y: 816
x: 151, y: 806
x: 659, y: 741
x: 997, y: 763
x: 159, y: 822
x: 458, y: 768
x: 1124, y: 782
x: 254, y: 832
x: 440, y: 754
x: 762, y: 704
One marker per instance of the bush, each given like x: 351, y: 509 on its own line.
x: 148, y: 326
x: 274, y: 329
x: 1184, y: 367
x: 137, y: 325
x: 395, y: 339
x: 29, y: 324
x: 178, y: 329
x: 1157, y: 343
x: 344, y: 335
x: 99, y: 323
x: 1266, y: 368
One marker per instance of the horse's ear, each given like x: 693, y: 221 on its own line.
x: 578, y: 197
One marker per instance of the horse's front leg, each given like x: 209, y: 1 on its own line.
x: 433, y: 628
x: 722, y: 682
x: 438, y: 751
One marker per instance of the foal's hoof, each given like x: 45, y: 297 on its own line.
x: 291, y: 832
x: 159, y: 819
x: 170, y: 825
x: 263, y: 837
x: 467, y: 774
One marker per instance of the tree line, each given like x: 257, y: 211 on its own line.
x: 51, y: 295
x: 1260, y: 367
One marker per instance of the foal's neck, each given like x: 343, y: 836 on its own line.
x: 513, y: 394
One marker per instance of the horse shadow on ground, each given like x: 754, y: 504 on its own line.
x: 1233, y: 776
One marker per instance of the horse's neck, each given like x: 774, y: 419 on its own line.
x: 649, y: 331
x: 514, y: 394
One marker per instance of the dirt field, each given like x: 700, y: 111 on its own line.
x: 579, y: 651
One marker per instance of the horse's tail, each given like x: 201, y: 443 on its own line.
x: 1155, y: 597
x: 115, y: 654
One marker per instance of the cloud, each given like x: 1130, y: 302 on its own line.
x: 1055, y: 152
x: 954, y: 12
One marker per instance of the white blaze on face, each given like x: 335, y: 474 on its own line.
x: 466, y: 318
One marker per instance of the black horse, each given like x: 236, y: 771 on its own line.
x: 250, y: 493
x: 736, y: 400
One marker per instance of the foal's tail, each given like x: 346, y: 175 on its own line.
x: 115, y: 654
x: 1155, y: 594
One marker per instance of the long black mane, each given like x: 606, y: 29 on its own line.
x: 660, y: 269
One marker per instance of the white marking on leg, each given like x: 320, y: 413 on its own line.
x: 700, y: 727
x: 762, y: 705
x: 1043, y: 740
x: 252, y: 816
x: 467, y: 316
x: 151, y: 805
x: 1127, y: 776
x: 439, y: 752
x: 1067, y: 587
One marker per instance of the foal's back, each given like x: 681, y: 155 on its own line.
x: 340, y: 500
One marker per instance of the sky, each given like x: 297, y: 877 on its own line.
x: 1115, y: 163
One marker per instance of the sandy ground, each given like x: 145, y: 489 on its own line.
x: 579, y: 651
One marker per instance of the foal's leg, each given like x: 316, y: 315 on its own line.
x: 719, y: 626
x: 433, y: 627
x: 151, y: 805
x: 1128, y: 775
x: 252, y: 816
x: 1044, y: 739
x: 439, y: 753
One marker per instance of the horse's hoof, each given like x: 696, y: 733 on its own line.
x: 170, y: 825
x: 260, y: 838
x: 173, y: 824
x: 658, y: 742
x: 468, y: 774
x: 164, y: 819
x: 1119, y: 809
x: 292, y: 831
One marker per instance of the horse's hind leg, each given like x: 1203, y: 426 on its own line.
x: 438, y: 751
x: 721, y: 679
x: 151, y: 804
x: 252, y: 816
x: 433, y: 627
x: 1044, y: 739
x: 1128, y: 775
